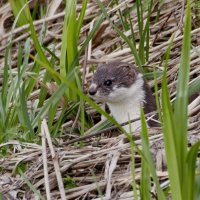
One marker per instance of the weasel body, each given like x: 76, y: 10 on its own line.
x: 122, y: 87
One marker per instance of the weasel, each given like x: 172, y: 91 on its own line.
x: 123, y: 88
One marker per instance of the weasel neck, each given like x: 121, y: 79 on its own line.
x: 128, y: 109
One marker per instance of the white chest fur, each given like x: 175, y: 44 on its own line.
x: 126, y: 104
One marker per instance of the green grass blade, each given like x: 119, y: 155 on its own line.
x: 191, y: 164
x: 47, y: 78
x: 97, y: 24
x: 145, y: 178
x: 52, y: 100
x: 63, y: 57
x: 123, y: 36
x: 34, y: 37
x: 148, y: 30
x: 69, y: 38
x: 82, y: 106
x: 44, y: 90
x: 197, y: 181
x: 32, y: 80
x: 2, y: 120
x: 124, y: 24
x: 132, y: 31
x: 30, y: 185
x: 139, y: 17
x: 134, y: 185
x: 148, y: 163
x: 66, y: 111
x: 16, y: 8
x: 24, y: 111
x: 19, y: 57
x: 169, y: 132
x: 156, y: 96
x: 51, y: 114
x: 69, y: 48
x: 81, y: 17
x: 5, y: 82
x: 169, y: 141
x: 72, y: 47
x: 142, y: 33
x: 194, y: 87
x: 181, y: 103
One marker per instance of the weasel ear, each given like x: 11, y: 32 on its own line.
x: 130, y: 70
x: 126, y: 68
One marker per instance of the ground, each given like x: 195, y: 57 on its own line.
x: 99, y: 167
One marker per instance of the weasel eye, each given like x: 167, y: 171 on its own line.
x: 107, y: 82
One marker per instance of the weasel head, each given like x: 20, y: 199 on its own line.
x: 115, y: 82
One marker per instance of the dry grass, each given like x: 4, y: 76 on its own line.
x: 102, y: 166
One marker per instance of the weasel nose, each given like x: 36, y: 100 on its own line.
x: 93, y: 89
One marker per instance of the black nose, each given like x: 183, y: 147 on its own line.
x: 92, y: 90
